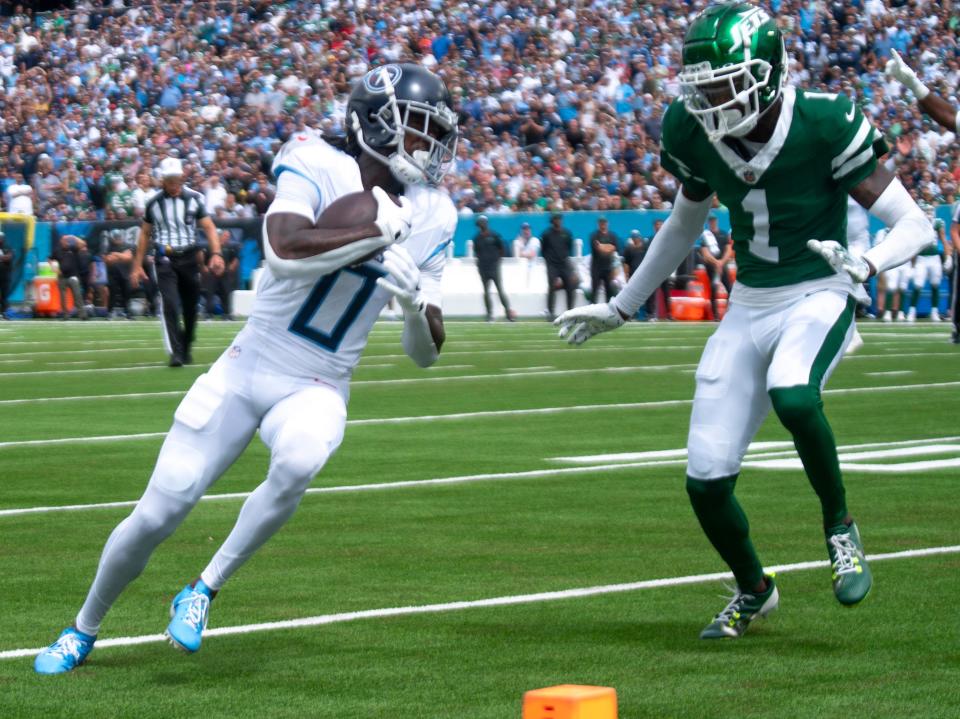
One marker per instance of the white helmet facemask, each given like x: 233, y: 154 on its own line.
x: 400, y: 118
x: 726, y: 101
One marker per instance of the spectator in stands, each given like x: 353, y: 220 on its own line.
x: 46, y: 185
x: 603, y: 250
x: 215, y: 195
x: 556, y: 243
x: 20, y: 196
x: 489, y: 250
x: 73, y: 261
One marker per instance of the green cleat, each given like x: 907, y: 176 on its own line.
x: 851, y: 574
x: 742, y: 609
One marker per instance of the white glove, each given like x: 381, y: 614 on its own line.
x: 393, y: 220
x: 948, y: 264
x: 841, y: 260
x: 899, y: 70
x: 406, y: 286
x: 581, y: 323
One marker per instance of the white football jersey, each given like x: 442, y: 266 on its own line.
x: 858, y: 228
x: 317, y: 327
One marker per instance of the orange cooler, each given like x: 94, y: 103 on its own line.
x: 46, y: 296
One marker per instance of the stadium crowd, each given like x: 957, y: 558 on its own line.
x: 561, y: 108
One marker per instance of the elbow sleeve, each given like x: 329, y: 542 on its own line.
x: 910, y: 230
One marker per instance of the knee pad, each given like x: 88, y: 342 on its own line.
x: 179, y: 468
x: 796, y: 406
x: 296, y: 459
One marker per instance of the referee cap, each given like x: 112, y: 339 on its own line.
x: 171, y: 167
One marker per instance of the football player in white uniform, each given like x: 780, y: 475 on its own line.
x: 896, y: 282
x: 288, y: 370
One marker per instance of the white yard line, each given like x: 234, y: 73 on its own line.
x: 348, y: 488
x: 610, y: 463
x: 516, y: 371
x: 768, y: 450
x: 91, y: 397
x: 75, y: 371
x: 502, y: 601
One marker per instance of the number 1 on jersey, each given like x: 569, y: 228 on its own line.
x: 755, y: 202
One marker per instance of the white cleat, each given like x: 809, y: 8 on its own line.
x: 856, y: 342
x: 934, y: 315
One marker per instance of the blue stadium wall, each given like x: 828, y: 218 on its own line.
x: 580, y: 224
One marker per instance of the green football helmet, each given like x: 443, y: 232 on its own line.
x: 734, y: 68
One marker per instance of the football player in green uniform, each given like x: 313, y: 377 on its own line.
x: 783, y: 161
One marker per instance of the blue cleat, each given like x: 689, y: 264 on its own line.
x: 189, y: 612
x: 68, y: 652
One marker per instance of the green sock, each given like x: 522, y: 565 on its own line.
x: 889, y: 301
x: 800, y: 409
x: 726, y: 527
x: 914, y: 297
x: 934, y: 297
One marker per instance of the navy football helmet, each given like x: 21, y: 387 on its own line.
x: 393, y: 101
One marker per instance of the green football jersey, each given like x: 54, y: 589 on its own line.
x: 793, y: 190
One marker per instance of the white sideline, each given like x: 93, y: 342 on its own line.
x: 503, y: 601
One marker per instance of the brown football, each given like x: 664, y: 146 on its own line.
x: 357, y: 208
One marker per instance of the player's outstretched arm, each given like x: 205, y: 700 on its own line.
x: 667, y: 250
x: 423, y: 332
x: 935, y: 106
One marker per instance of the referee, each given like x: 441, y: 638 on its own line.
x: 170, y: 221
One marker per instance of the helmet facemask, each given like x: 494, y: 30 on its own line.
x: 729, y: 101
x: 434, y: 125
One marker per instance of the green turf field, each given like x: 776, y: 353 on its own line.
x: 550, y: 488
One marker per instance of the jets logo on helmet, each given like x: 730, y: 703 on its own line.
x: 734, y: 68
x: 382, y: 79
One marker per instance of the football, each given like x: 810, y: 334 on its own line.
x: 357, y: 208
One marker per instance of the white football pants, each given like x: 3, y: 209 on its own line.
x: 929, y: 268
x: 753, y: 351
x: 300, y: 420
x: 898, y: 278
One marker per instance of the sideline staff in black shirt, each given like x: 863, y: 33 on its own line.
x: 170, y: 220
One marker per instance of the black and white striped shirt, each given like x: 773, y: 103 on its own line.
x: 174, y: 219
